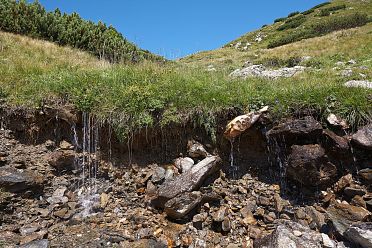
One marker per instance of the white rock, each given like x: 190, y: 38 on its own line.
x: 337, y: 121
x: 327, y: 242
x: 184, y: 164
x: 261, y: 71
x: 359, y: 83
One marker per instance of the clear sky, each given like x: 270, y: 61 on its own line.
x: 175, y: 28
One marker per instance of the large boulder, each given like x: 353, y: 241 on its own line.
x: 302, y: 131
x: 308, y: 165
x: 336, y: 145
x: 291, y: 234
x: 62, y: 159
x: 366, y: 175
x: 360, y: 234
x: 363, y: 137
x: 17, y: 181
x: 188, y: 181
x: 342, y: 216
x: 196, y: 150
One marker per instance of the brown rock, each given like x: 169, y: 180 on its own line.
x: 63, y: 159
x: 342, y: 183
x: 358, y: 201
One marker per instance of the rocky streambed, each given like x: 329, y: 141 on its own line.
x: 66, y: 182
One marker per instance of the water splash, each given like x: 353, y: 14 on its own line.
x: 87, y: 162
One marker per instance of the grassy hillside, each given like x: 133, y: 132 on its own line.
x: 36, y: 72
x: 318, y: 41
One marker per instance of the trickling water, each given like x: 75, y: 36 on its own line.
x: 233, y: 167
x: 87, y: 162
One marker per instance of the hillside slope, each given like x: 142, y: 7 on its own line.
x: 319, y: 39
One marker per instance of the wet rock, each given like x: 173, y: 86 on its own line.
x: 16, y: 181
x: 291, y: 234
x: 43, y: 243
x: 308, y: 165
x: 337, y: 145
x: 188, y: 181
x: 196, y: 150
x: 58, y: 196
x: 360, y: 234
x: 344, y: 215
x: 184, y: 164
x: 301, y: 131
x: 241, y: 123
x: 63, y: 159
x: 366, y: 175
x: 363, y: 137
x: 181, y: 205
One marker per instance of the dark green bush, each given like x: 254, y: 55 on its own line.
x: 339, y: 22
x: 324, y: 27
x: 293, y: 14
x: 328, y: 11
x: 292, y: 23
x: 320, y: 5
x: 308, y: 12
x: 280, y: 19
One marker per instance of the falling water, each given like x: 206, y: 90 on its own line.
x: 233, y: 167
x: 87, y: 162
x: 277, y: 157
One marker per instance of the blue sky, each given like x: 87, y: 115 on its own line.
x: 175, y: 28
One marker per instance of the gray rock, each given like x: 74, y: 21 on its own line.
x: 327, y: 242
x: 184, y: 164
x: 360, y: 234
x: 346, y: 73
x: 188, y: 181
x: 291, y: 234
x: 42, y: 243
x: 363, y: 137
x: 366, y: 175
x: 181, y: 205
x: 359, y: 83
x: 16, y: 181
x: 158, y: 174
x: 196, y: 150
x: 261, y: 71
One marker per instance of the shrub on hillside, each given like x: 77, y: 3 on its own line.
x: 103, y: 41
x: 307, y: 12
x: 339, y: 22
x: 328, y: 11
x: 280, y: 19
x: 320, y: 5
x: 292, y: 23
x: 293, y: 14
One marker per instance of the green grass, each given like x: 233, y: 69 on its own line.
x: 147, y: 94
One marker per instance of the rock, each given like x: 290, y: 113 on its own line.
x: 220, y: 214
x: 317, y: 217
x: 351, y: 62
x: 301, y: 131
x: 360, y: 234
x: 64, y: 145
x: 336, y: 121
x: 366, y: 175
x: 344, y: 215
x: 241, y: 123
x: 363, y: 137
x: 184, y: 164
x: 158, y: 174
x: 42, y: 243
x: 226, y: 225
x: 346, y: 73
x: 63, y: 159
x: 300, y: 214
x: 181, y: 205
x: 198, y: 220
x: 188, y: 181
x: 358, y: 83
x: 262, y: 71
x: 339, y: 146
x: 9, y: 238
x: 196, y: 150
x: 143, y: 243
x: 16, y: 181
x: 308, y: 165
x: 290, y: 234
x: 327, y: 242
x: 58, y: 196
x: 351, y: 192
x: 358, y: 201
x: 104, y: 199
x: 342, y: 183
x: 62, y: 213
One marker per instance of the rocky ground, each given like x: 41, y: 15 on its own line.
x: 190, y: 203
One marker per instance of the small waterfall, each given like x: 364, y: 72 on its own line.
x: 233, y: 167
x: 87, y: 162
x: 276, y: 157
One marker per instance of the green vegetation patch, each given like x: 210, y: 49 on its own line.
x: 329, y: 10
x: 292, y: 23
